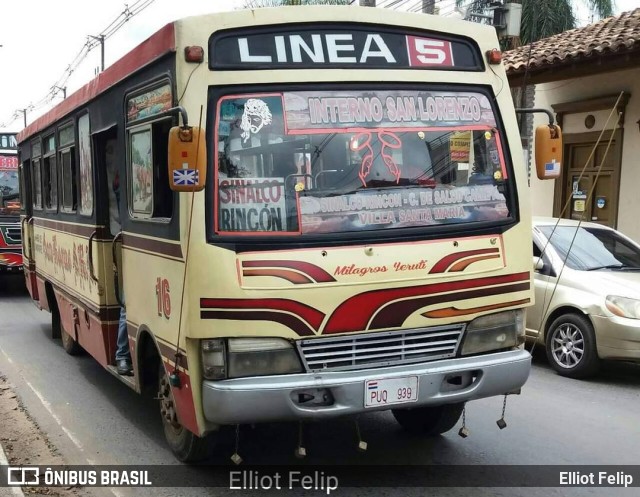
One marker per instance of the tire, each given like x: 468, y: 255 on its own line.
x: 186, y: 446
x: 571, y: 346
x: 69, y: 344
x: 56, y: 325
x: 429, y: 420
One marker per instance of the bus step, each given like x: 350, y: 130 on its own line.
x: 128, y: 380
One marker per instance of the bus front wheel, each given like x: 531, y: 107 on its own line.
x: 186, y: 446
x: 432, y: 420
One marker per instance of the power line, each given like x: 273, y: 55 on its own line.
x: 91, y: 43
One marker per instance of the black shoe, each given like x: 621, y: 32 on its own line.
x: 124, y: 367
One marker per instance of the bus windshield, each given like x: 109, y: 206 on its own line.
x: 306, y: 162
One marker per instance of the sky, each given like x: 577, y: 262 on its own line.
x: 39, y: 40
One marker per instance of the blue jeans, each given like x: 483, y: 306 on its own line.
x: 122, y: 342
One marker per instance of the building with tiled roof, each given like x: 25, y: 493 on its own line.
x: 610, y: 44
x: 590, y: 78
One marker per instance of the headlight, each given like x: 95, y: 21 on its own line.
x: 494, y: 331
x: 623, y: 306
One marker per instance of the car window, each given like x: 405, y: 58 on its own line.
x: 536, y: 250
x: 592, y: 248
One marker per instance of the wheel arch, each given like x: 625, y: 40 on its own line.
x: 148, y: 358
x: 52, y: 305
x: 559, y: 311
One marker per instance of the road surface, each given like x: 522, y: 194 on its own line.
x: 92, y: 418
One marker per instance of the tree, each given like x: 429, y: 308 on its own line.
x: 254, y: 4
x: 542, y: 18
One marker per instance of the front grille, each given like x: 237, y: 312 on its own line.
x: 14, y: 235
x: 368, y: 350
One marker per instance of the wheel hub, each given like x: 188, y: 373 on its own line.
x: 568, y: 346
x: 167, y: 406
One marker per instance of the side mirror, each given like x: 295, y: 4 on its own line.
x: 187, y: 159
x: 548, y: 151
x: 538, y: 263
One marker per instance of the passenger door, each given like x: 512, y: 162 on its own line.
x: 26, y: 223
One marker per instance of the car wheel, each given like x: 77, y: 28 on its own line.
x: 571, y: 346
x: 429, y: 420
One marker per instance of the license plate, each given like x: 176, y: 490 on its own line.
x: 385, y: 392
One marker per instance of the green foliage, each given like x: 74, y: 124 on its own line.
x: 544, y: 18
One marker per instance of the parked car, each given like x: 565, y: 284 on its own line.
x: 587, y: 291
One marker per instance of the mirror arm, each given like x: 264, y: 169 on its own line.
x: 533, y: 111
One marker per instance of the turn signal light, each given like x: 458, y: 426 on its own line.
x: 194, y: 53
x: 494, y: 56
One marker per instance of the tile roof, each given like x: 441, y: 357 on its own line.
x: 610, y: 36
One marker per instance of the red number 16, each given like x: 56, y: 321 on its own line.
x: 163, y: 296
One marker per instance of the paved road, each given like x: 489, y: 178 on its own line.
x: 93, y: 418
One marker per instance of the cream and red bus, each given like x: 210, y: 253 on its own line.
x: 311, y: 212
x: 10, y: 233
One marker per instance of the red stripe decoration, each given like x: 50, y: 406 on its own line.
x: 356, y: 313
x: 443, y: 264
x: 314, y: 272
x: 292, y: 276
x: 301, y: 318
x: 393, y: 315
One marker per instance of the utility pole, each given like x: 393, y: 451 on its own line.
x: 24, y: 115
x: 367, y: 3
x: 428, y: 6
x: 63, y: 88
x: 100, y: 39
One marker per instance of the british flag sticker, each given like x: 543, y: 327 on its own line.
x: 185, y: 177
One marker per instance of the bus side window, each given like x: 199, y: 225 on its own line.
x: 69, y: 190
x: 149, y: 192
x: 37, y: 184
x: 67, y: 165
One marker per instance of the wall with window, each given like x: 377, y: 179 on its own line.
x: 544, y: 193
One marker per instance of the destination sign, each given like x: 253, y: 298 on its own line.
x: 342, y: 45
x: 8, y: 141
x: 8, y: 162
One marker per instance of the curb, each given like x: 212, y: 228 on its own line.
x: 3, y: 462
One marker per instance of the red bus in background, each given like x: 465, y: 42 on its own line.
x: 10, y: 233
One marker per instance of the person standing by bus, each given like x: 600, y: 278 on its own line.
x: 123, y: 354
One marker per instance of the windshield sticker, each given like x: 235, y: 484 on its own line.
x: 373, y: 209
x: 252, y: 204
x: 256, y: 115
x: 307, y: 111
x: 459, y: 146
x: 388, y: 141
x: 246, y: 120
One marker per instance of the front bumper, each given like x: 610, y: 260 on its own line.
x: 277, y: 398
x: 617, y: 338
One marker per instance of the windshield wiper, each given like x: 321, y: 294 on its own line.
x: 609, y: 266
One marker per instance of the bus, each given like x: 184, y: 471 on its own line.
x: 10, y: 232
x: 307, y: 212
